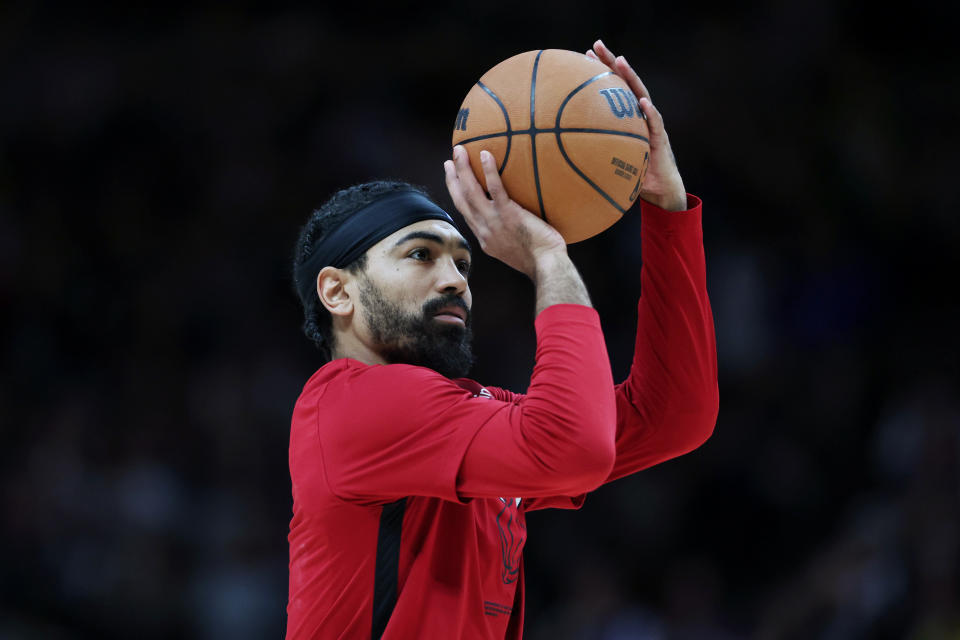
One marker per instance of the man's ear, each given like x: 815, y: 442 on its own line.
x: 332, y: 292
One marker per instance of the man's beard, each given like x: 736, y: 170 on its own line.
x: 419, y: 339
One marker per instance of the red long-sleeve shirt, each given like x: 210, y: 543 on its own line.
x: 410, y: 489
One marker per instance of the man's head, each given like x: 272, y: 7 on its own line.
x: 402, y: 297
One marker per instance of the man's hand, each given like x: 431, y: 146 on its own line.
x: 505, y: 230
x: 662, y: 185
x: 513, y: 235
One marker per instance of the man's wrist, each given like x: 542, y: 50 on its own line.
x: 547, y: 262
x: 557, y: 281
x: 673, y: 202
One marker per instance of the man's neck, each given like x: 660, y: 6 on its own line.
x: 349, y: 346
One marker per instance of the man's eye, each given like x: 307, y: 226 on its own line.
x: 464, y: 266
x: 420, y: 254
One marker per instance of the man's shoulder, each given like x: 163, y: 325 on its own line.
x: 353, y: 376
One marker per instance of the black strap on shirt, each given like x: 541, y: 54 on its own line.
x: 388, y: 566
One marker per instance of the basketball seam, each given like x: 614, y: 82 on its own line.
x: 533, y: 136
x: 508, y: 132
x: 527, y: 132
x: 563, y: 151
x: 590, y: 182
x: 612, y: 132
x: 563, y: 105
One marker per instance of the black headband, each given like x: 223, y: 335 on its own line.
x: 362, y: 230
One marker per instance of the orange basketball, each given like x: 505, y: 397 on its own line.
x: 569, y: 138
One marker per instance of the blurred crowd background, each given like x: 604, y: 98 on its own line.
x: 156, y: 166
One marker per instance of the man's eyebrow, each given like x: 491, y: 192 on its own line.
x: 426, y: 235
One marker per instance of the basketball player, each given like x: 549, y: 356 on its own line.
x: 411, y: 483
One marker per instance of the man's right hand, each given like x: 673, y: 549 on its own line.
x: 511, y: 234
x: 505, y: 230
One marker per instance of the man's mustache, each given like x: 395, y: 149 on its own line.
x: 431, y: 307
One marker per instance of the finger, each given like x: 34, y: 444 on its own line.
x: 625, y: 71
x: 472, y: 190
x: 494, y: 185
x: 459, y: 201
x: 658, y: 133
x: 457, y: 192
x: 455, y: 189
x: 603, y: 54
x: 590, y: 54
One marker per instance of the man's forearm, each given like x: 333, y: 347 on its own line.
x: 557, y: 281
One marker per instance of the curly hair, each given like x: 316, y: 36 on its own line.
x: 317, y: 323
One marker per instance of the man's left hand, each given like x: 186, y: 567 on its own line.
x: 662, y: 185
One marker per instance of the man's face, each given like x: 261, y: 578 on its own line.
x: 414, y: 299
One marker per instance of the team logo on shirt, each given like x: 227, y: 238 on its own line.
x: 513, y: 533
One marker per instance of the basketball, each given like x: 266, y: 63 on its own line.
x: 570, y: 141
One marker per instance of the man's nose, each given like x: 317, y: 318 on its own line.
x: 450, y: 279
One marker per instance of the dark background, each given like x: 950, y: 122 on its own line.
x: 155, y: 168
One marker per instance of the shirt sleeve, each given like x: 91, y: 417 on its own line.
x: 396, y: 430
x: 668, y: 404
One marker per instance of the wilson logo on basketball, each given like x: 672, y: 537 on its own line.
x: 461, y: 123
x: 622, y: 103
